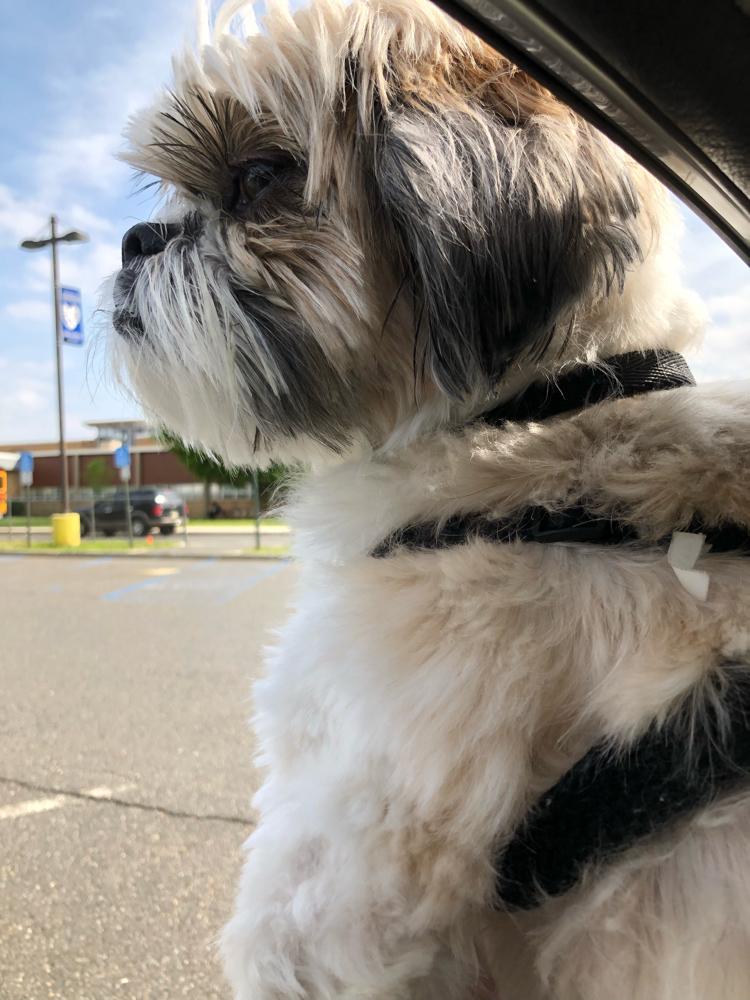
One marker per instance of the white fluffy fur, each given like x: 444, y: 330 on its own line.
x: 416, y: 706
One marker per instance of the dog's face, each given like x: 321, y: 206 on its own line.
x: 372, y: 216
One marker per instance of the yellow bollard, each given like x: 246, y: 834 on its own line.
x: 66, y: 529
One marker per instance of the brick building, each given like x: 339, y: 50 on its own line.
x: 151, y: 463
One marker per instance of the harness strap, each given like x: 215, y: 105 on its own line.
x: 610, y: 800
x: 537, y: 524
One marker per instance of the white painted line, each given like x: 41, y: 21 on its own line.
x: 35, y: 806
x: 102, y: 792
x: 45, y: 805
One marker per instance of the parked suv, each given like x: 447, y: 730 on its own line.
x: 150, y: 508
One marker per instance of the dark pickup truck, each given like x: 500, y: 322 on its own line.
x: 150, y: 508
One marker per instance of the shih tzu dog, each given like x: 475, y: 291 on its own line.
x: 504, y: 732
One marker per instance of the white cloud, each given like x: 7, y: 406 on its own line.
x: 28, y: 405
x: 26, y: 399
x: 722, y: 280
x: 80, y: 152
x: 31, y: 309
x: 82, y: 266
x: 726, y: 350
x: 68, y: 166
x: 20, y: 218
x: 27, y: 217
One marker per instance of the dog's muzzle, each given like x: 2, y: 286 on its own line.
x: 142, y: 241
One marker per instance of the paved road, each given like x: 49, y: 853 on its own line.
x: 224, y: 541
x: 126, y: 773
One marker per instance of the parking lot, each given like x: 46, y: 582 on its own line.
x: 126, y: 768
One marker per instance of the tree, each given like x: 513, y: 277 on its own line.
x: 99, y: 474
x: 210, y: 469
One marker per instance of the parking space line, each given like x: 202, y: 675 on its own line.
x: 56, y: 802
x: 247, y: 584
x: 95, y: 562
x: 142, y: 584
x: 35, y: 806
x: 128, y: 590
x: 10, y: 558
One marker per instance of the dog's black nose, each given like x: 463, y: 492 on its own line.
x: 145, y: 239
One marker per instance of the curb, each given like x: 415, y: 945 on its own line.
x: 272, y: 529
x: 153, y: 554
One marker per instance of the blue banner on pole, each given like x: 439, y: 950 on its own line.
x: 26, y: 462
x: 122, y: 457
x: 71, y: 316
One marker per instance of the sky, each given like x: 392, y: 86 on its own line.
x: 70, y: 74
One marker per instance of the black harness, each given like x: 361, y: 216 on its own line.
x: 609, y: 799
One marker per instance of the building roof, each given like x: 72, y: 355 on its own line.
x: 102, y: 445
x: 116, y: 427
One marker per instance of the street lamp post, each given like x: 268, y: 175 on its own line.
x: 71, y: 237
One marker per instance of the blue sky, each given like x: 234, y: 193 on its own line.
x: 70, y: 73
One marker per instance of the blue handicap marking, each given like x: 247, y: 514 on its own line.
x: 116, y: 595
x: 251, y: 581
x: 214, y: 580
x: 95, y: 562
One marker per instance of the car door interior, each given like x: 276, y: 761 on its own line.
x: 667, y: 80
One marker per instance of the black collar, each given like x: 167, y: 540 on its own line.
x: 614, y: 378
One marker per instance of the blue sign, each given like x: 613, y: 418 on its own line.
x: 26, y: 462
x: 71, y: 316
x: 122, y: 457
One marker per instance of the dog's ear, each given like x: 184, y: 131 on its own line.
x: 507, y: 209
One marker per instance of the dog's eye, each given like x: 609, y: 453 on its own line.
x: 255, y: 178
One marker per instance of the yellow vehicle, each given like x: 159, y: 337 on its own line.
x: 3, y: 492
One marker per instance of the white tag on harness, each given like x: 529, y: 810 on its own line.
x: 683, y: 553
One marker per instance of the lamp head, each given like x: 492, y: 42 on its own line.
x: 74, y: 236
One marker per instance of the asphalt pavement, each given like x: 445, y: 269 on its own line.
x: 126, y: 771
